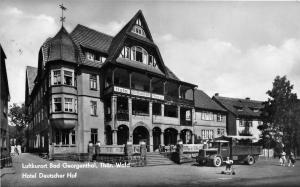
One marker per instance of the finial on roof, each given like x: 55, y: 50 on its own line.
x: 62, y: 18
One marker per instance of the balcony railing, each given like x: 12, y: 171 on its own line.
x: 185, y: 123
x: 122, y: 116
x: 165, y: 120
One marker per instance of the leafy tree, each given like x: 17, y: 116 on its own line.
x: 279, y: 115
x: 18, y: 117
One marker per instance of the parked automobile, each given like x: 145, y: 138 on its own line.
x: 224, y: 147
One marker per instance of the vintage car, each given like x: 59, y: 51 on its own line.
x: 224, y: 147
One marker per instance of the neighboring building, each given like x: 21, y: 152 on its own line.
x: 244, y: 116
x: 91, y: 86
x: 5, y: 97
x: 210, y: 118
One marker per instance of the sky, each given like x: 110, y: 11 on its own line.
x: 232, y: 48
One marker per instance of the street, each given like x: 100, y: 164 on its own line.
x: 262, y: 173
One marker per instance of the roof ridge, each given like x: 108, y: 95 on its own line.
x: 86, y: 27
x: 236, y: 99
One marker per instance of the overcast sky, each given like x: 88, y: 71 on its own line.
x: 233, y: 48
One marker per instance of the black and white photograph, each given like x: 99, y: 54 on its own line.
x: 149, y: 93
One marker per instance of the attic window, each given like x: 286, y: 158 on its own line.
x: 90, y: 56
x: 138, y: 22
x: 238, y: 108
x: 255, y: 109
x: 138, y: 30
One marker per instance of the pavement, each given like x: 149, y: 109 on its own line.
x: 263, y: 173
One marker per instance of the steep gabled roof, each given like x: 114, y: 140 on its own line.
x: 203, y: 101
x: 31, y: 73
x: 241, y: 107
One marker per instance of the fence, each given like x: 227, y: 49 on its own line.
x: 6, y: 162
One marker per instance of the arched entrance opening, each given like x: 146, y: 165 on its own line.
x: 170, y: 136
x: 122, y: 134
x: 156, y: 131
x: 186, y: 136
x: 141, y: 133
x: 108, y: 134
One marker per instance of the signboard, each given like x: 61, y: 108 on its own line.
x: 140, y: 93
x: 157, y: 96
x: 121, y: 90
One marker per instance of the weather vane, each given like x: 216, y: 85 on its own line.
x: 62, y: 18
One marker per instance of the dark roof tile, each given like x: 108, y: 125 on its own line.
x: 203, y: 101
x: 241, y: 107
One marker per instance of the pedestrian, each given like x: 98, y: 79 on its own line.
x: 16, y: 150
x: 283, y: 157
x: 292, y: 159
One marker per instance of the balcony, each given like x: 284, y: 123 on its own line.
x: 165, y: 120
x: 179, y: 100
x: 185, y: 123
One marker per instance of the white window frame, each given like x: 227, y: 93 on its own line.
x: 62, y: 76
x: 68, y: 104
x: 53, y: 107
x: 53, y: 82
x: 93, y: 108
x: 93, y: 81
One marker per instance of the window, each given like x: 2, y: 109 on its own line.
x: 138, y: 22
x: 125, y: 53
x: 219, y: 117
x: 56, y: 77
x: 207, y: 134
x: 90, y: 56
x: 221, y: 132
x: 65, y: 137
x: 68, y: 105
x: 171, y: 111
x: 156, y: 109
x: 68, y: 78
x: 73, y: 137
x: 208, y: 116
x: 138, y: 30
x: 94, y: 135
x: 140, y: 107
x: 57, y: 104
x: 93, y: 82
x: 93, y: 108
x: 139, y: 54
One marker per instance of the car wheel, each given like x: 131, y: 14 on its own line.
x: 250, y: 160
x: 217, y: 162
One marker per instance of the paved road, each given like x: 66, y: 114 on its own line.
x: 263, y: 173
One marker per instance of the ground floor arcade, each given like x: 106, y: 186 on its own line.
x: 154, y: 137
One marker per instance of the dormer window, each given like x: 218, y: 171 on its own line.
x: 238, y: 108
x: 90, y: 56
x: 255, y: 110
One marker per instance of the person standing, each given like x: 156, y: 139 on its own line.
x: 292, y: 159
x: 283, y: 156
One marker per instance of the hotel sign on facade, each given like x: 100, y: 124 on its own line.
x: 138, y: 93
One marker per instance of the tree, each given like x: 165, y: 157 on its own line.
x: 18, y: 117
x: 279, y: 114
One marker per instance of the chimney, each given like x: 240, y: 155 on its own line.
x: 216, y: 94
x: 247, y: 98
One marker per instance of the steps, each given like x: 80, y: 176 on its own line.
x: 156, y: 159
